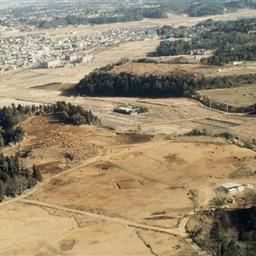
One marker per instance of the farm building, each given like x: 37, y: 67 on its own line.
x: 124, y: 110
x: 128, y: 110
x: 234, y: 187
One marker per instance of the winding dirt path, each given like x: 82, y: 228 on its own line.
x: 180, y: 231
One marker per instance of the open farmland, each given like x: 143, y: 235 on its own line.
x: 236, y: 97
x: 192, y: 69
x: 132, y: 192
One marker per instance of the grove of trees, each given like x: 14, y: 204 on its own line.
x: 70, y: 114
x: 227, y: 232
x: 14, y: 179
x: 233, y: 233
x: 119, y: 15
x: 107, y: 83
x: 10, y: 117
x: 229, y: 40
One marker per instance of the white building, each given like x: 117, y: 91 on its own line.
x: 50, y: 63
x: 235, y: 187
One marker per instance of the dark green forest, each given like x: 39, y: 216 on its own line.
x: 120, y: 15
x: 232, y: 232
x: 10, y: 118
x: 14, y: 178
x: 70, y: 114
x: 229, y: 41
x: 104, y: 83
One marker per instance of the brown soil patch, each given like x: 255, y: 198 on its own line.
x: 53, y: 86
x: 150, y: 177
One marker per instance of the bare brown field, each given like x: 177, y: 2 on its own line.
x: 192, y: 69
x: 237, y: 97
x: 26, y: 228
x: 118, y: 190
x: 41, y: 231
x: 54, y: 147
x: 150, y: 177
x: 145, y: 183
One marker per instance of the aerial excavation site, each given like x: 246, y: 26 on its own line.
x: 128, y: 128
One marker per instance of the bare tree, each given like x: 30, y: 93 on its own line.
x: 193, y: 196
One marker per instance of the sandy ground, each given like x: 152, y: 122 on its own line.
x: 27, y: 228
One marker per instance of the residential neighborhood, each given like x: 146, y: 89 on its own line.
x: 44, y: 51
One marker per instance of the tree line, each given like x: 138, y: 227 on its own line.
x: 196, y: 8
x: 229, y: 41
x: 104, y: 83
x: 70, y: 114
x: 66, y: 113
x: 119, y: 15
x: 233, y: 233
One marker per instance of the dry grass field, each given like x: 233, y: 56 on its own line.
x: 192, y: 69
x: 118, y: 191
x: 150, y: 177
x: 241, y: 96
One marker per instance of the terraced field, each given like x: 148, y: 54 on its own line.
x: 237, y: 97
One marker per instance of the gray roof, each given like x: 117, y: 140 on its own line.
x: 230, y: 185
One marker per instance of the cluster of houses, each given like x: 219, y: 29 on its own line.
x: 43, y: 51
